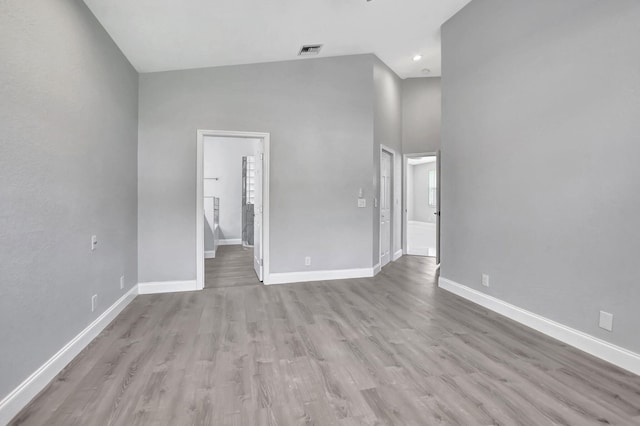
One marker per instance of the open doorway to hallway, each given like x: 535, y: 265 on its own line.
x: 231, y: 190
x: 421, y: 205
x: 231, y: 267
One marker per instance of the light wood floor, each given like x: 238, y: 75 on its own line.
x: 393, y: 349
x: 232, y: 266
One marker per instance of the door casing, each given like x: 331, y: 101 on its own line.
x: 393, y: 210
x: 405, y: 168
x: 265, y: 141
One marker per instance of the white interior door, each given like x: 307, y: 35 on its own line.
x: 257, y: 217
x: 385, y: 208
x: 438, y: 164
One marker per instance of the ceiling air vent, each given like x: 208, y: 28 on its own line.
x: 310, y: 49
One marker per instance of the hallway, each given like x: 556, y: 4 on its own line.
x: 232, y: 267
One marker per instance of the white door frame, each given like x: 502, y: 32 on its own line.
x: 438, y: 212
x: 405, y: 216
x: 265, y: 138
x: 392, y: 199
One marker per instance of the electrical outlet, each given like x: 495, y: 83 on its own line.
x: 121, y: 282
x: 606, y: 321
x: 94, y: 242
x: 485, y: 280
x: 362, y: 203
x: 94, y: 302
x: 307, y: 261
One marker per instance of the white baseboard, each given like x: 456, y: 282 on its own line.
x: 397, y: 255
x: 599, y: 348
x: 24, y: 393
x: 210, y: 254
x: 230, y: 242
x: 376, y: 269
x: 421, y: 251
x: 306, y: 276
x: 167, y: 287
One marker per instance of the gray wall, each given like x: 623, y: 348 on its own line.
x: 541, y: 184
x: 421, y: 114
x: 319, y: 113
x: 387, y: 127
x: 68, y: 114
x: 223, y: 159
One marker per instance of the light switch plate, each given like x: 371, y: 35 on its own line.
x: 362, y: 202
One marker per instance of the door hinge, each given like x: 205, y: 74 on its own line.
x: 261, y: 156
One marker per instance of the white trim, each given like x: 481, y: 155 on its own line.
x: 28, y: 389
x: 438, y: 205
x: 230, y: 242
x: 599, y: 348
x: 376, y: 269
x: 167, y: 287
x: 199, y: 209
x: 209, y: 254
x: 392, y: 199
x: 397, y: 255
x: 306, y: 276
x: 266, y: 141
x: 424, y: 252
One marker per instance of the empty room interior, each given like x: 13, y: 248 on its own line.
x: 353, y: 212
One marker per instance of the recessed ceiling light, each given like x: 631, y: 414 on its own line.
x: 417, y: 58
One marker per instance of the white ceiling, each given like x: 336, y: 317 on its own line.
x: 160, y: 35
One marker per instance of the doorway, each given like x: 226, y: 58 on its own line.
x: 422, y: 213
x: 232, y: 206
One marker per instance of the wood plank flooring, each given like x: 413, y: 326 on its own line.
x: 232, y: 266
x: 389, y: 350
